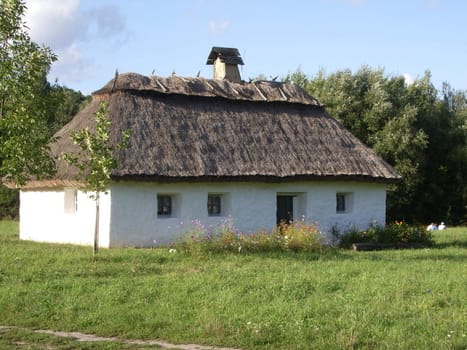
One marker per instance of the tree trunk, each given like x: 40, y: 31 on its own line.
x: 96, y: 226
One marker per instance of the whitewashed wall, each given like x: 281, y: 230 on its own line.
x: 251, y: 208
x: 129, y: 212
x: 43, y: 218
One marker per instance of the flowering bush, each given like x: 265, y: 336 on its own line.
x: 294, y: 236
x: 299, y: 236
x: 397, y: 233
x: 353, y: 235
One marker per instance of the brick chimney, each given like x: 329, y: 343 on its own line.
x: 225, y: 61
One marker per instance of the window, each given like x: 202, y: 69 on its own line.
x: 343, y: 202
x: 340, y: 203
x: 71, y: 201
x: 214, y: 204
x: 164, y: 205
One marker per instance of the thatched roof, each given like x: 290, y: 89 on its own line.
x: 201, y: 129
x: 262, y: 91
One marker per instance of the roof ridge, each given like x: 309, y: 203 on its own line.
x: 264, y: 91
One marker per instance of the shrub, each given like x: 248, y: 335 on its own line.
x: 9, y: 203
x: 353, y: 235
x: 294, y: 236
x: 397, y: 233
x: 299, y: 236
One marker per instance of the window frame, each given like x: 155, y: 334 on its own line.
x: 162, y: 205
x: 219, y: 205
x: 70, y: 200
x: 344, y: 202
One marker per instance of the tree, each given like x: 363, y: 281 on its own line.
x: 24, y: 136
x: 298, y: 77
x: 62, y: 105
x: 444, y: 189
x: 95, y: 160
x: 9, y: 203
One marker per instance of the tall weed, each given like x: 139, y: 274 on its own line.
x: 298, y: 236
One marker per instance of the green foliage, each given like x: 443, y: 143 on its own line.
x: 334, y: 299
x: 23, y: 122
x: 9, y: 203
x: 398, y: 234
x: 444, y: 165
x: 299, y: 236
x: 30, y: 109
x: 62, y: 105
x: 296, y: 236
x: 297, y: 77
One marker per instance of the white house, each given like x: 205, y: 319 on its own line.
x: 212, y: 152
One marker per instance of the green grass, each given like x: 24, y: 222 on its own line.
x: 333, y: 299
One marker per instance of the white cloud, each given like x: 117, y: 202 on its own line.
x: 72, y: 66
x: 69, y: 32
x: 218, y: 27
x: 409, y: 80
x: 71, y: 54
x: 55, y: 23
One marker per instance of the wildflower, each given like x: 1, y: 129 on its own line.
x: 239, y: 248
x: 172, y: 250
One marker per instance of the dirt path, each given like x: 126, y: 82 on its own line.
x: 93, y: 338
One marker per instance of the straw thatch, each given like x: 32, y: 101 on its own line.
x: 199, y: 129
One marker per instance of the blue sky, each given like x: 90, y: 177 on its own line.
x: 93, y: 38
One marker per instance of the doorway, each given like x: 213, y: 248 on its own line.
x: 284, y: 211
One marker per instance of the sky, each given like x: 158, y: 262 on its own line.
x: 94, y: 38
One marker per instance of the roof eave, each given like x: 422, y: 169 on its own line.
x: 257, y: 178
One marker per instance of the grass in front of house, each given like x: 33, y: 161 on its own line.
x: 331, y: 299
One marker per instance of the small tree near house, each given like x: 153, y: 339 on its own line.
x: 95, y: 159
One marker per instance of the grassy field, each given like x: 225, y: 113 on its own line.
x: 335, y: 299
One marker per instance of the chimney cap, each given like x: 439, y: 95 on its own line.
x: 227, y: 55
